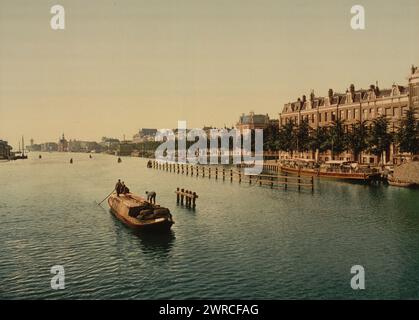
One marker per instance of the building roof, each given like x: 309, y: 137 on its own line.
x: 254, y: 119
x: 148, y: 131
x: 356, y: 96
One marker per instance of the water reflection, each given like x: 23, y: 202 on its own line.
x: 289, y: 237
x: 160, y: 242
x: 156, y: 242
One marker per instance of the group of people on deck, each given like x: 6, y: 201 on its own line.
x: 121, y: 188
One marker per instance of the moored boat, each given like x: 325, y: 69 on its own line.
x: 335, y: 169
x: 18, y: 155
x: 398, y: 183
x: 137, y: 213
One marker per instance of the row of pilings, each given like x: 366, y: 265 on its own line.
x: 277, y: 181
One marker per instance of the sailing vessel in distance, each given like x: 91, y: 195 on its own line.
x: 21, y: 153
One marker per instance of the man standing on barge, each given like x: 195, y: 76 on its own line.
x: 118, y: 187
x: 151, y: 196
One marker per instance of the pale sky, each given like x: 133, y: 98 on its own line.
x: 122, y: 65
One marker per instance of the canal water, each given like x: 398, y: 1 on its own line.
x: 242, y: 241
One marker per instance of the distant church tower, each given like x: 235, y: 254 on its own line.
x: 62, y: 144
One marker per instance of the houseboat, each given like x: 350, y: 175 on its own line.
x: 397, y: 183
x: 334, y: 169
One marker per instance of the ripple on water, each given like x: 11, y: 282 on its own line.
x: 242, y: 241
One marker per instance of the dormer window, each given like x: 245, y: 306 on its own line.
x: 349, y: 97
x: 395, y: 91
x: 371, y: 95
x: 327, y: 101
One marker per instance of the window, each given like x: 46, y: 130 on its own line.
x: 320, y: 117
x: 365, y: 114
x: 325, y: 116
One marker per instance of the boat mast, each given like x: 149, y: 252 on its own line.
x: 23, y: 147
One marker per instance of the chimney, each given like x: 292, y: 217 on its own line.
x: 330, y: 94
x: 312, y: 96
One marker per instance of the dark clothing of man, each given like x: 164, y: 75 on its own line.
x: 151, y: 197
x: 118, y: 188
x: 123, y: 189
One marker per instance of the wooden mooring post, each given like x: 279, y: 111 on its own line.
x: 278, y: 180
x: 182, y: 196
x: 312, y: 183
x: 186, y: 196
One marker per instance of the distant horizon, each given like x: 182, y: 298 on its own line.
x: 130, y: 137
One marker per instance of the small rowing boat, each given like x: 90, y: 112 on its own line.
x: 137, y: 213
x: 397, y: 183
